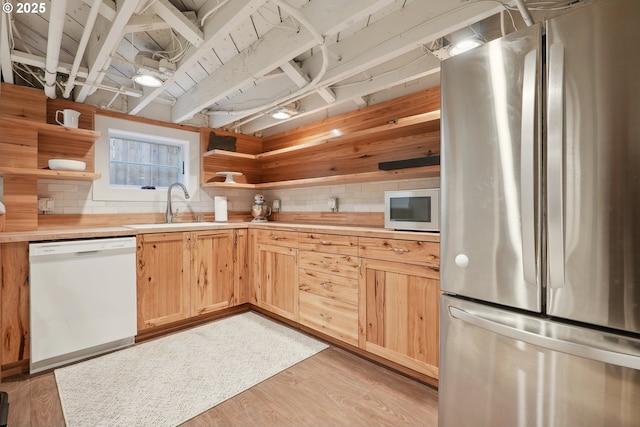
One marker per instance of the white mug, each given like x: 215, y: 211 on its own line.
x: 69, y: 118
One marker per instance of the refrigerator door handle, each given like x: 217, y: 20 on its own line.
x: 555, y: 167
x: 561, y: 345
x: 527, y: 164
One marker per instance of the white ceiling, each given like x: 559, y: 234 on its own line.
x: 236, y: 60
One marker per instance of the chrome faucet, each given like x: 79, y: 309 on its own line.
x: 169, y: 213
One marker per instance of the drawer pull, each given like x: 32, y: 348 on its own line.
x: 323, y: 262
x: 325, y: 242
x: 274, y: 237
x: 326, y: 317
x: 400, y: 250
x: 326, y: 285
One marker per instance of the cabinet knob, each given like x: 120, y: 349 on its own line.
x: 462, y: 260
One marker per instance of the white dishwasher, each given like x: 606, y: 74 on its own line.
x: 83, y: 299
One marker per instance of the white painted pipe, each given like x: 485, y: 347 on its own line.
x: 56, y: 26
x: 524, y: 12
x: 84, y: 41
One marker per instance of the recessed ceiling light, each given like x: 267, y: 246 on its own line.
x: 463, y: 46
x: 147, y: 80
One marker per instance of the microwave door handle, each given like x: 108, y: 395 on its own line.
x: 527, y: 168
x: 555, y: 162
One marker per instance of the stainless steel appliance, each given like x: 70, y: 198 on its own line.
x: 82, y: 299
x: 417, y: 210
x: 540, y: 242
x: 259, y: 210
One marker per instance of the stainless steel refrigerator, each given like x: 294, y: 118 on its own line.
x: 540, y: 225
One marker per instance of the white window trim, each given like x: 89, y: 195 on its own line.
x: 102, y: 190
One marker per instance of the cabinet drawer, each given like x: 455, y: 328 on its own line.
x: 328, y: 285
x: 341, y: 265
x: 331, y: 243
x: 329, y: 316
x: 278, y: 238
x: 407, y: 251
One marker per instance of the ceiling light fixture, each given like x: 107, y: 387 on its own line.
x: 147, y: 80
x: 282, y: 113
x: 464, y: 45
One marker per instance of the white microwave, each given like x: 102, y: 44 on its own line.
x: 414, y: 210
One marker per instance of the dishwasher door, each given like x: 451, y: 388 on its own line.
x: 83, y: 299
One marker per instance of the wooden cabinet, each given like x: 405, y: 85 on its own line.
x: 14, y: 304
x: 399, y: 302
x: 212, y: 274
x: 276, y: 265
x: 328, y: 284
x: 241, y: 282
x: 186, y: 274
x: 163, y: 278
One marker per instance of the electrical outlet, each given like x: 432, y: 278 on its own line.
x: 45, y: 205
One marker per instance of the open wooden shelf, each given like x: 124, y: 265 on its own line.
x: 49, y: 130
x: 50, y: 174
x: 409, y: 173
x: 251, y: 165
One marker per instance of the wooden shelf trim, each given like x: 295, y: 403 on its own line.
x: 409, y: 173
x: 50, y: 174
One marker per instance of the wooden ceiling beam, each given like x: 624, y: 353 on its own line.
x: 178, y: 21
x: 6, y: 68
x: 274, y: 49
x: 217, y: 27
x: 104, y: 40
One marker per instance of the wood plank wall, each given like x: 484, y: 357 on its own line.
x: 364, y: 118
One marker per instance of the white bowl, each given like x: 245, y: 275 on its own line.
x: 67, y: 165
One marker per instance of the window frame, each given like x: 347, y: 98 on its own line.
x: 104, y: 191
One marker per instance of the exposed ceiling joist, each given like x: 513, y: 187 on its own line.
x: 6, y: 67
x: 140, y: 23
x: 217, y: 27
x: 295, y: 73
x: 38, y: 61
x: 382, y: 41
x: 325, y: 16
x: 327, y: 94
x: 103, y: 42
x: 178, y: 21
x: 418, y: 65
x: 233, y: 75
x: 107, y: 8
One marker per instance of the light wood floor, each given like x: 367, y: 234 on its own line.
x: 331, y: 388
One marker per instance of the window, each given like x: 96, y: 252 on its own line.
x: 137, y: 160
x: 143, y: 156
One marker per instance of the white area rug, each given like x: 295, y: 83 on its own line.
x: 172, y: 379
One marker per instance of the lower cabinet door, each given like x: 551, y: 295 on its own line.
x: 212, y: 274
x: 163, y: 277
x: 277, y: 280
x: 400, y: 315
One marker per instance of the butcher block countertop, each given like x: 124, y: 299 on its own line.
x: 132, y: 230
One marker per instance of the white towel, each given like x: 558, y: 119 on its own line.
x: 3, y: 210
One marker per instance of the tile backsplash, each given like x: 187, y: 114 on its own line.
x: 75, y: 197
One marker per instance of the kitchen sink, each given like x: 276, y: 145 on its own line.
x: 172, y: 225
